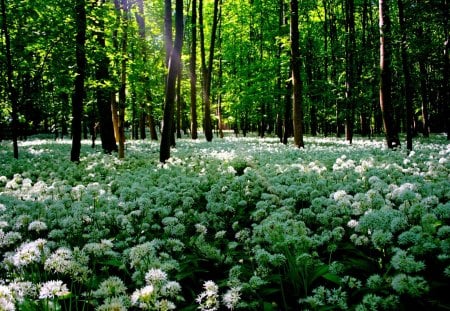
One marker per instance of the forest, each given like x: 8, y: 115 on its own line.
x: 224, y: 155
x: 280, y: 68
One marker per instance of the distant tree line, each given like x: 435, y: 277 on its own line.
x: 325, y: 67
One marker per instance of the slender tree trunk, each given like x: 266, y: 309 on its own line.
x: 178, y: 129
x: 103, y: 93
x: 174, y: 68
x: 123, y: 78
x: 296, y: 78
x: 147, y: 94
x: 115, y: 115
x: 207, y: 68
x: 407, y: 74
x: 168, y: 41
x: 192, y: 68
x: 78, y: 95
x: 350, y: 83
x: 387, y: 109
x: 425, y: 98
x: 446, y: 69
x: 9, y: 73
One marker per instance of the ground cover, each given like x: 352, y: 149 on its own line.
x: 239, y: 223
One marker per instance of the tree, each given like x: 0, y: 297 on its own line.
x: 407, y: 75
x: 207, y: 67
x: 103, y: 92
x: 350, y: 83
x: 296, y: 78
x: 387, y: 110
x: 174, y: 68
x: 12, y: 92
x: 79, y: 91
x: 193, y: 73
x: 446, y: 68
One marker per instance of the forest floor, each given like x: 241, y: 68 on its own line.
x: 237, y: 223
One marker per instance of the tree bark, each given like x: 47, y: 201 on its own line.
x: 386, y: 106
x: 192, y: 68
x: 350, y: 83
x: 207, y: 68
x: 296, y: 78
x: 12, y: 92
x: 79, y: 91
x: 123, y: 78
x: 103, y: 94
x: 409, y: 91
x: 174, y: 68
x: 446, y: 68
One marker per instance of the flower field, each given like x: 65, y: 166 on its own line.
x: 236, y: 224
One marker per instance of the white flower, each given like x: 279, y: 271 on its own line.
x: 6, y: 299
x: 28, y: 253
x: 352, y: 223
x: 208, y: 300
x: 21, y: 290
x: 232, y: 297
x: 37, y: 226
x: 143, y: 295
x: 52, y: 289
x: 201, y: 228
x: 155, y: 276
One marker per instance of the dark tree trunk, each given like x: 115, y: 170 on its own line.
x: 168, y: 41
x: 407, y: 74
x: 192, y: 68
x: 296, y: 78
x: 9, y: 72
x: 350, y: 83
x: 174, y: 68
x: 207, y: 68
x: 104, y: 94
x: 446, y: 69
x: 387, y: 110
x: 178, y: 128
x: 425, y: 98
x: 123, y: 79
x: 287, y: 120
x: 79, y: 91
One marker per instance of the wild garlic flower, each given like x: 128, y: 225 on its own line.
x: 111, y: 287
x: 114, y: 304
x: 208, y: 300
x: 143, y: 297
x: 28, y: 253
x: 53, y: 289
x: 171, y: 289
x: 21, y: 290
x: 155, y: 276
x: 232, y: 297
x: 37, y: 226
x: 60, y: 261
x: 201, y: 228
x: 7, y: 301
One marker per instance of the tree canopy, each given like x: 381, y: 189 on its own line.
x: 243, y: 74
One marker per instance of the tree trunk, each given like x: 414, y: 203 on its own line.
x: 178, y: 129
x: 174, y: 68
x: 192, y: 68
x: 207, y: 68
x: 103, y: 93
x: 168, y: 41
x: 296, y: 78
x: 386, y: 106
x: 9, y: 73
x: 350, y: 83
x: 446, y: 69
x: 78, y: 95
x: 123, y: 79
x: 407, y: 75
